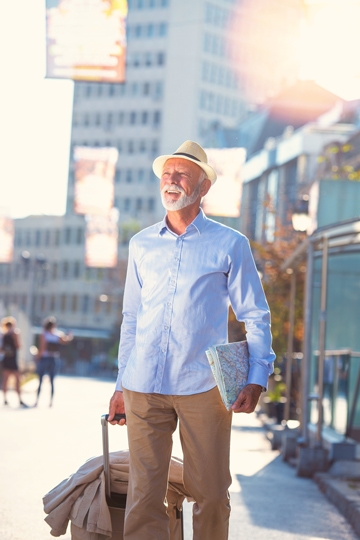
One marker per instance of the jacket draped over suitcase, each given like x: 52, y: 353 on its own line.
x: 81, y: 498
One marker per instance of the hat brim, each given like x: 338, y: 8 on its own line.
x: 160, y: 161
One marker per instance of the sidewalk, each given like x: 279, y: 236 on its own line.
x: 42, y: 446
x: 340, y: 484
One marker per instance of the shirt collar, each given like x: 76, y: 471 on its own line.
x: 199, y: 223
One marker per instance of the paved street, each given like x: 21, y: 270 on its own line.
x: 42, y: 446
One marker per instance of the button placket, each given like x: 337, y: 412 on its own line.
x: 165, y: 335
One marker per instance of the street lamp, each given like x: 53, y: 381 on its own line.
x: 301, y: 221
x: 300, y: 217
x: 32, y: 265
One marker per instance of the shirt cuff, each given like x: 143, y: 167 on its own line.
x: 258, y: 375
x: 118, y: 385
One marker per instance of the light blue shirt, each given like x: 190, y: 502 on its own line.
x: 176, y: 301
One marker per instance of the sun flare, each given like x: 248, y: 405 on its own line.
x: 329, y: 44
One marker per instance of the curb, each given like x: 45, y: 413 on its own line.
x: 344, y: 494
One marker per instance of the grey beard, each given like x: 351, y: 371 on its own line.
x: 182, y: 202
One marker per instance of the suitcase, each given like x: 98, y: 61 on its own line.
x: 117, y: 502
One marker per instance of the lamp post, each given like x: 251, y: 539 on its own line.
x: 301, y: 221
x: 32, y: 265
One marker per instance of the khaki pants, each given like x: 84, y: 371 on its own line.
x: 205, y: 428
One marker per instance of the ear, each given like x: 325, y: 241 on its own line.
x: 205, y: 186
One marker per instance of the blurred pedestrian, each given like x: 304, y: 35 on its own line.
x: 183, y: 274
x: 9, y: 347
x: 48, y: 356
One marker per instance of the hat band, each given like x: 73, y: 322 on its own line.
x: 187, y: 155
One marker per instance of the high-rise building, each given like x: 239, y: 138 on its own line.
x: 181, y: 79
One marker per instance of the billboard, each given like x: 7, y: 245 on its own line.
x: 94, y: 172
x: 86, y: 40
x: 101, y: 241
x: 6, y: 239
x: 224, y: 197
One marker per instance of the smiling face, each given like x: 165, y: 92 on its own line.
x: 183, y: 183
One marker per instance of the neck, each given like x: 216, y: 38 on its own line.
x: 178, y: 220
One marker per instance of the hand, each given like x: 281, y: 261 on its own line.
x: 116, y: 406
x: 247, y: 399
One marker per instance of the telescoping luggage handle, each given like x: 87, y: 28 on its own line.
x: 105, y: 441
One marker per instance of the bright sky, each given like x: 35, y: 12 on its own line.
x: 35, y: 113
x: 35, y: 116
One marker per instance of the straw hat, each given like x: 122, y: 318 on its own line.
x: 192, y: 152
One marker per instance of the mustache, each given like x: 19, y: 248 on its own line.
x: 172, y: 187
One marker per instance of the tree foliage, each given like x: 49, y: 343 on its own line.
x: 270, y: 257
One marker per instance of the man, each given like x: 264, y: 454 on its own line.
x: 182, y: 275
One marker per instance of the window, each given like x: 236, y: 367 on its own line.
x: 127, y: 204
x: 158, y: 90
x: 57, y: 237
x: 121, y: 118
x: 37, y: 238
x: 76, y: 269
x: 150, y: 30
x: 85, y: 303
x: 141, y: 176
x: 151, y: 204
x: 139, y: 203
x: 142, y: 146
x: 148, y: 59
x: 160, y: 59
x: 134, y: 89
x: 55, y: 271
x: 47, y: 237
x: 65, y: 269
x: 133, y: 117
x: 67, y: 235
x: 144, y: 117
x: 157, y: 118
x: 162, y: 29
x: 131, y: 147
x: 63, y: 302
x: 79, y: 235
x: 74, y: 303
x: 118, y: 176
x: 52, y: 303
x: 97, y: 305
x: 18, y: 236
x: 43, y: 303
x: 136, y: 60
x: 146, y: 89
x: 129, y: 176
